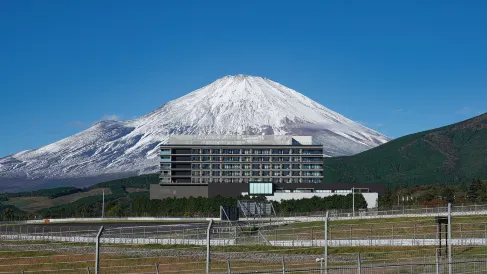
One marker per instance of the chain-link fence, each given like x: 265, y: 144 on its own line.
x: 392, y: 245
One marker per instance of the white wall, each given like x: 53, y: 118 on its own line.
x: 370, y: 197
x: 303, y: 139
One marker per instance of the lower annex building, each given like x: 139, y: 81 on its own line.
x: 276, y: 166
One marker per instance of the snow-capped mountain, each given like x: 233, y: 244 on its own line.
x: 238, y: 104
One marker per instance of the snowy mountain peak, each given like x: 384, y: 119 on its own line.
x: 238, y: 104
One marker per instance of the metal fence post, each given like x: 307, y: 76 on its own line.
x: 89, y: 272
x: 437, y: 262
x: 97, y: 258
x: 208, y: 239
x: 229, y: 269
x: 157, y: 268
x: 283, y: 266
x: 326, y: 243
x: 449, y: 240
x: 359, y: 264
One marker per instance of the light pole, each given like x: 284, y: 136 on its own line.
x: 103, y: 205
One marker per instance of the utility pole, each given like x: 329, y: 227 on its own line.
x: 103, y: 205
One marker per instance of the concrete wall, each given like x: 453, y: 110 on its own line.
x: 178, y: 191
x: 370, y: 197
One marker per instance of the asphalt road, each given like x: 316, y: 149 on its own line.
x: 110, y: 227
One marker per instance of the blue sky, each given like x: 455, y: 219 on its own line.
x: 397, y: 66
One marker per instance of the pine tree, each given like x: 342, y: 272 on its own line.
x: 473, y: 190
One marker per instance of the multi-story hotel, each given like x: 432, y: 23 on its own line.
x: 208, y: 166
x: 240, y: 159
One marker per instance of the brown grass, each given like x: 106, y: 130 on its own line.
x: 32, y: 204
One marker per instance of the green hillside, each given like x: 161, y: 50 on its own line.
x: 450, y: 154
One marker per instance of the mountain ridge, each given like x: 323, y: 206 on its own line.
x: 235, y: 105
x: 448, y: 154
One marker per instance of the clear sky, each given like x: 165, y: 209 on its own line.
x: 397, y: 66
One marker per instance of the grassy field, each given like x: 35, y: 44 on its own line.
x: 33, y: 204
x: 133, y: 261
x: 396, y: 228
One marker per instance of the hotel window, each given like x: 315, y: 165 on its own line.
x: 286, y: 173
x: 246, y: 173
x: 266, y: 173
x: 195, y: 166
x: 246, y: 166
x: 276, y: 166
x: 165, y: 166
x: 206, y: 151
x: 195, y: 158
x: 205, y: 158
x: 215, y: 173
x: 215, y: 166
x: 304, y: 190
x: 195, y: 173
x: 280, y: 159
x: 231, y: 151
x: 255, y: 166
x: 215, y: 158
x: 195, y: 151
x: 205, y: 166
x: 295, y: 159
x: 230, y: 159
x: 311, y: 173
x: 230, y: 173
x: 215, y: 151
x: 295, y: 173
x: 312, y: 151
x: 205, y: 173
x: 276, y: 173
x: 323, y: 191
x: 266, y: 166
x: 312, y: 159
x: 311, y: 166
x: 296, y: 151
x: 195, y: 180
x: 165, y: 159
x: 255, y: 173
x: 286, y: 166
x: 311, y: 180
x: 230, y: 166
x: 165, y: 152
x: 246, y: 159
x: 280, y: 151
x: 344, y: 191
x: 296, y: 166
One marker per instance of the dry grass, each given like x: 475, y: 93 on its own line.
x: 139, y: 262
x: 402, y: 228
x: 32, y: 204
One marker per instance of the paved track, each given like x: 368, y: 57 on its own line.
x: 84, y: 227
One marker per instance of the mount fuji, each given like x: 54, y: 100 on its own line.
x: 236, y: 105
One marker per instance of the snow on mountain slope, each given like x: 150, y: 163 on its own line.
x: 231, y: 105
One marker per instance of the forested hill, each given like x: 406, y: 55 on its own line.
x: 449, y: 154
